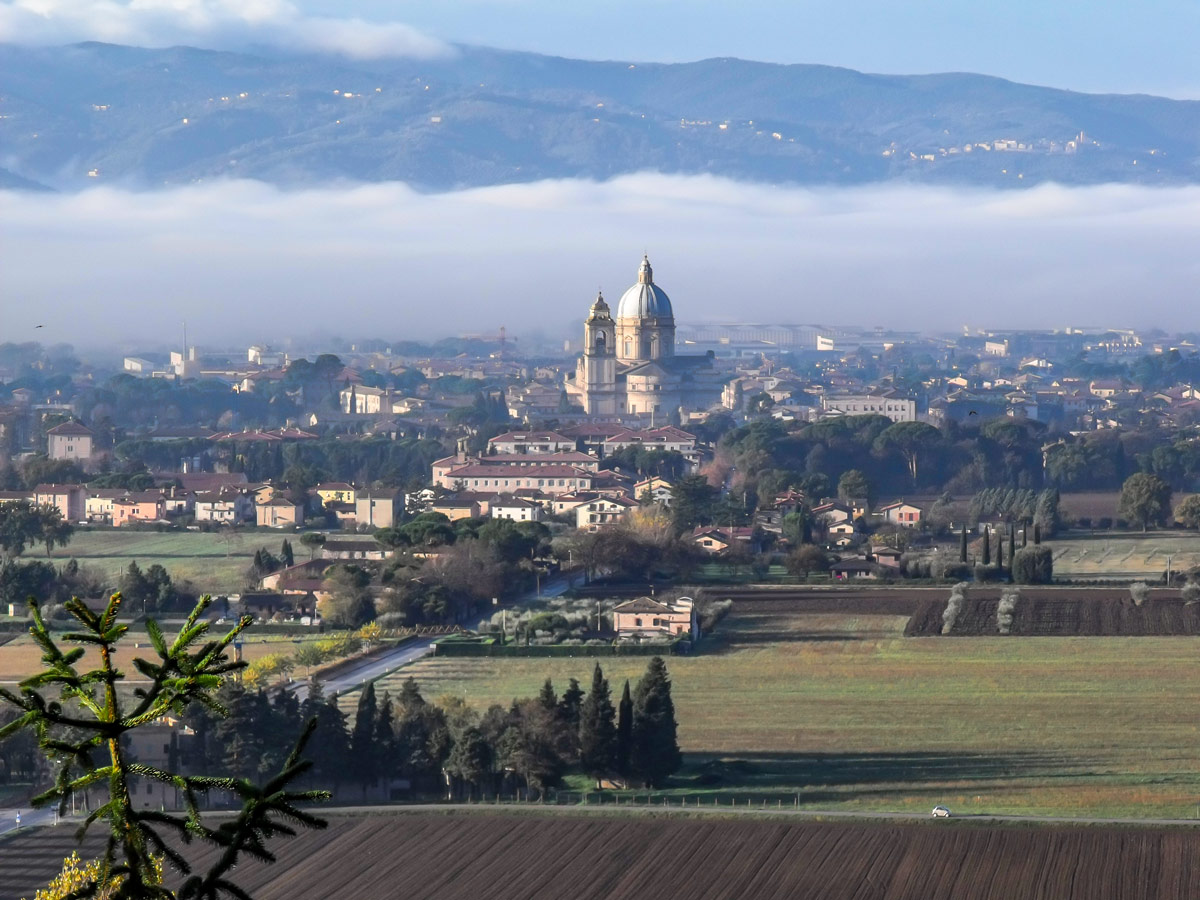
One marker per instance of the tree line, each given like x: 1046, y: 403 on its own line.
x: 446, y: 748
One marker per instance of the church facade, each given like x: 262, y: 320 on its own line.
x: 629, y: 365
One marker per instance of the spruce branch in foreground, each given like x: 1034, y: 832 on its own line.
x: 80, y: 718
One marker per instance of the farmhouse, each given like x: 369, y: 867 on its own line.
x: 647, y: 617
x: 901, y: 513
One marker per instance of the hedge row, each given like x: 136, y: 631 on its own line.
x: 464, y: 648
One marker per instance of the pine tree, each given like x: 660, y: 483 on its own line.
x: 654, y: 751
x: 624, y: 733
x: 547, y: 697
x: 598, y: 730
x: 362, y: 738
x: 962, y: 544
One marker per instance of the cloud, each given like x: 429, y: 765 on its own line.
x: 210, y: 23
x: 244, y: 261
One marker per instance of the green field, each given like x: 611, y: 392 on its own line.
x: 1125, y: 555
x: 844, y: 711
x: 215, y: 561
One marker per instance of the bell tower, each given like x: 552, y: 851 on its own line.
x: 597, y: 375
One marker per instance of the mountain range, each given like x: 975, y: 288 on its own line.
x: 86, y: 114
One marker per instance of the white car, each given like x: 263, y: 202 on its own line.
x: 940, y: 812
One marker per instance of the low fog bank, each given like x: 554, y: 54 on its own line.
x: 243, y: 261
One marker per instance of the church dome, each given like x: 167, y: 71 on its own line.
x: 645, y: 299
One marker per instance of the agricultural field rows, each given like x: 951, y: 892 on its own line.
x: 796, y: 696
x: 534, y: 856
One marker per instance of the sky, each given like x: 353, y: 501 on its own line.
x: 386, y: 262
x: 1147, y: 46
x: 242, y: 261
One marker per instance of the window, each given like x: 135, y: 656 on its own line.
x: 637, y: 622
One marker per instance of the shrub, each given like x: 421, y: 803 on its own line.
x: 1004, y: 612
x: 1084, y: 522
x: 1033, y: 565
x: 1139, y: 591
x: 987, y: 574
x: 954, y: 606
x: 1104, y: 522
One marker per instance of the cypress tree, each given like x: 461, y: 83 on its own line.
x: 285, y: 554
x: 569, y: 705
x: 1037, y: 534
x: 1000, y: 550
x: 654, y: 751
x: 962, y: 544
x: 1012, y: 544
x: 624, y: 733
x: 547, y: 697
x: 986, y: 557
x: 598, y: 730
x: 362, y: 738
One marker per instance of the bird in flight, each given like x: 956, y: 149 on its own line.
x: 38, y: 326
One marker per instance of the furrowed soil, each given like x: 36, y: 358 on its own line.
x: 1063, y: 614
x: 549, y: 857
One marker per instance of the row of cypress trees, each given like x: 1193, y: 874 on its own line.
x: 636, y: 741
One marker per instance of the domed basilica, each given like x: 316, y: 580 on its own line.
x: 629, y: 366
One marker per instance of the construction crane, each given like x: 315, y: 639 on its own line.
x: 500, y: 337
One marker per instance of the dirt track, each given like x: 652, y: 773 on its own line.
x: 532, y: 857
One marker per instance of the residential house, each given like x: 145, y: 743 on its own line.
x: 378, y: 507
x: 158, y: 744
x: 516, y: 509
x: 717, y: 539
x: 646, y: 617
x: 602, y: 511
x: 354, y: 548
x: 98, y: 504
x: 335, y: 492
x: 139, y: 506
x: 225, y: 507
x: 68, y: 499
x: 70, y: 440
x: 279, y: 513
x: 657, y: 489
x: 901, y: 513
x: 455, y: 508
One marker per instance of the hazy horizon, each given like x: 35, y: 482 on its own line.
x: 383, y: 259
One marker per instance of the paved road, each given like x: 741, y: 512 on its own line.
x: 30, y: 818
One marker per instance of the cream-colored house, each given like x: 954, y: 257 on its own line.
x: 70, y: 440
x: 279, y: 513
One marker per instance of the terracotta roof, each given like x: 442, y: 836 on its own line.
x: 642, y: 605
x: 71, y: 428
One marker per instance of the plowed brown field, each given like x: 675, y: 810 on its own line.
x: 1097, y: 613
x: 531, y: 857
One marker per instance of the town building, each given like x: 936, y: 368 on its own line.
x: 602, y: 511
x: 889, y: 403
x: 70, y: 440
x: 279, y: 513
